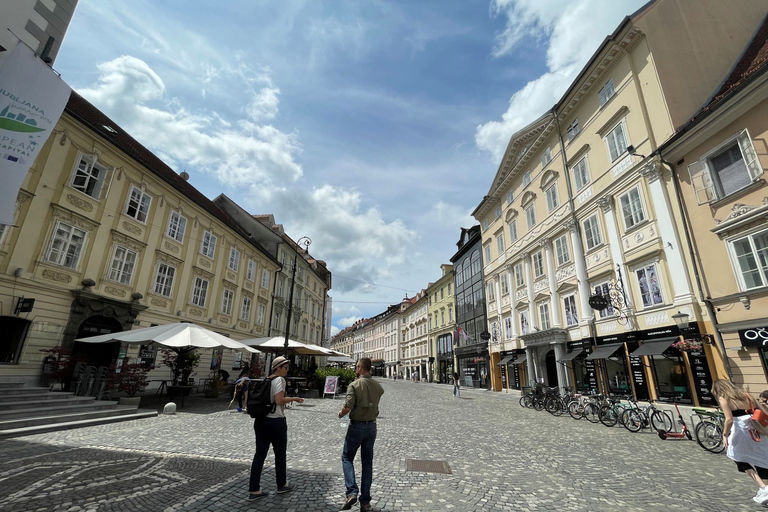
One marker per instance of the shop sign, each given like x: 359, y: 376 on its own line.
x: 516, y: 374
x: 503, y: 376
x: 599, y: 302
x: 591, y: 376
x: 757, y: 337
x: 702, y: 377
x: 638, y: 377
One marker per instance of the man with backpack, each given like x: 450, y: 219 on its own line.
x: 266, y: 404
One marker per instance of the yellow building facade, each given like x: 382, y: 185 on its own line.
x: 442, y: 326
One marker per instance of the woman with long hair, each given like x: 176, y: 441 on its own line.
x: 750, y: 456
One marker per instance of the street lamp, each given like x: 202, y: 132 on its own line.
x: 303, y: 241
x: 681, y: 319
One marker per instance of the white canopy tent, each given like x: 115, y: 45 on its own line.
x: 276, y: 345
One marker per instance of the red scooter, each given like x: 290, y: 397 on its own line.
x: 663, y: 434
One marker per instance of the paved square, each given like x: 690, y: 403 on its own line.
x: 502, y: 457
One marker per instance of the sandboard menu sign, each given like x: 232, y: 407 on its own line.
x: 702, y: 378
x: 331, y: 386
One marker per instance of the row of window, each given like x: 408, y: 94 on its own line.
x: 433, y: 298
x: 442, y: 317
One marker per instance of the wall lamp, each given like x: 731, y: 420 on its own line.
x: 632, y: 151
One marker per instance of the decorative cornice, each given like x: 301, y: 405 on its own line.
x: 651, y: 170
x: 605, y: 202
x: 126, y: 241
x: 72, y: 218
x: 544, y: 242
x: 740, y: 216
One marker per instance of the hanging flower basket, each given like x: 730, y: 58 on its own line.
x: 687, y: 345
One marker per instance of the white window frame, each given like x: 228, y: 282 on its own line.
x: 164, y: 277
x: 234, y: 259
x: 526, y: 178
x: 562, y: 251
x: 504, y: 283
x: 227, y: 298
x: 491, y: 292
x: 140, y: 202
x: 121, y: 265
x: 513, y: 231
x: 604, y: 288
x: 208, y: 245
x: 508, y: 327
x: 569, y: 303
x: 705, y: 180
x: 551, y: 195
x: 530, y: 216
x: 265, y: 279
x: 245, y: 309
x: 606, y: 92
x: 546, y: 157
x: 67, y: 243
x: 573, y: 129
x: 250, y: 273
x: 497, y: 212
x: 525, y: 322
x: 486, y: 223
x: 519, y: 270
x: 545, y: 321
x: 591, y: 226
x: 500, y: 243
x: 613, y: 141
x: 653, y: 299
x: 510, y: 196
x: 91, y: 174
x: 756, y: 267
x: 261, y: 312
x: 487, y: 253
x: 581, y: 173
x: 177, y: 225
x: 632, y: 208
x: 199, y: 292
x: 537, y: 261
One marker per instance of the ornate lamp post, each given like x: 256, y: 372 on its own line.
x: 305, y: 242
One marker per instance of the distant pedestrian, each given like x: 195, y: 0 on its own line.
x: 240, y: 393
x: 273, y: 430
x: 750, y: 456
x: 362, y: 405
x: 456, y: 385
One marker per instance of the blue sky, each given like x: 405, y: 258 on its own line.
x: 374, y: 128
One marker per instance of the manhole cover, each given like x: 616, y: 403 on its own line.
x: 427, y: 466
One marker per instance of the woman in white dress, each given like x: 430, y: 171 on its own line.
x: 750, y: 456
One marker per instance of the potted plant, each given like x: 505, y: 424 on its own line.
x: 130, y: 379
x: 59, y: 366
x: 182, y: 362
x: 687, y: 345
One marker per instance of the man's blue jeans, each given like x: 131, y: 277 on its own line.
x: 363, y: 436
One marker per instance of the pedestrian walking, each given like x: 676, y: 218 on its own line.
x: 456, y: 385
x: 750, y: 455
x: 240, y: 393
x: 273, y: 430
x: 362, y: 405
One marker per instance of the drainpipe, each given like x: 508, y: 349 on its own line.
x: 707, y: 302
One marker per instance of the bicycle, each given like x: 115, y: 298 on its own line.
x: 709, y: 430
x: 587, y: 406
x: 635, y: 419
x: 611, y: 413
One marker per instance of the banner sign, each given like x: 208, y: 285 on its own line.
x: 331, y: 385
x: 756, y: 337
x: 32, y: 98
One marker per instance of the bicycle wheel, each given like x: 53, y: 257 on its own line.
x: 555, y: 407
x: 576, y: 410
x: 634, y: 420
x: 522, y: 401
x: 709, y: 435
x: 661, y: 420
x: 538, y: 403
x: 608, y: 416
x: 620, y: 413
x: 592, y: 413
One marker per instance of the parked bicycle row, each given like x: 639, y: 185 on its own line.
x: 706, y: 426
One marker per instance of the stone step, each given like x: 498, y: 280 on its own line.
x: 49, y: 402
x: 40, y: 429
x: 10, y: 384
x: 32, y: 394
x: 33, y: 420
x: 48, y: 408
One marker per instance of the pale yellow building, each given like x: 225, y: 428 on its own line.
x: 108, y: 238
x: 579, y: 208
x: 442, y: 326
x: 414, y: 337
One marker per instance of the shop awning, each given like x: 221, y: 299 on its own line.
x: 654, y: 348
x: 604, y: 351
x: 570, y: 356
x: 506, y: 360
x: 521, y: 359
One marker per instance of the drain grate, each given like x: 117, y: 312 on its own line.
x: 428, y: 466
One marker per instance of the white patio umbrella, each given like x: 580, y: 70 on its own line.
x: 181, y: 335
x: 276, y: 345
x: 340, y: 359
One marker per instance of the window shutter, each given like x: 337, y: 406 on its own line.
x: 754, y: 168
x: 702, y: 182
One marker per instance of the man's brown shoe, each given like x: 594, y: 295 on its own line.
x: 351, y: 500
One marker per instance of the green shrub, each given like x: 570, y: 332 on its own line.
x: 345, y: 376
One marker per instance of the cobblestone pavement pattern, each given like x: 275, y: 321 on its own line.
x: 502, y: 457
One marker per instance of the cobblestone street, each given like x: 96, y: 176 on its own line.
x: 502, y: 457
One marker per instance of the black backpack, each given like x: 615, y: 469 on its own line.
x: 260, y: 399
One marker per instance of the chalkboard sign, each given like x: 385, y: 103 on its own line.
x: 702, y: 378
x: 591, y: 377
x: 516, y: 374
x: 503, y: 376
x: 638, y: 377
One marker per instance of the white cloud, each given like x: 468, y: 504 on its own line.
x: 238, y: 154
x: 264, y: 104
x: 573, y: 30
x: 453, y: 216
x: 334, y: 330
x: 347, y: 321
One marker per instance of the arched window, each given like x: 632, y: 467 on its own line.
x: 459, y: 275
x: 476, y: 265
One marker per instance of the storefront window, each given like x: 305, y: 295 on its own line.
x: 580, y: 374
x: 671, y: 377
x: 617, y: 375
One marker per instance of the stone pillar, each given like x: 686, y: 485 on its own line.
x: 562, y: 374
x: 530, y: 365
x: 617, y: 255
x: 529, y: 284
x: 673, y: 248
x: 554, y: 305
x: 581, y: 272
